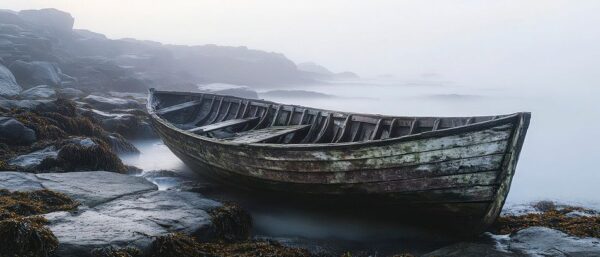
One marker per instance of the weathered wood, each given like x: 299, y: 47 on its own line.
x: 377, y: 130
x: 256, y: 136
x: 222, y: 125
x: 414, y: 126
x: 345, y: 129
x: 326, y: 130
x: 202, y: 118
x: 179, y: 107
x: 276, y: 117
x: 313, y: 128
x: 265, y: 117
x: 217, y: 112
x: 226, y: 113
x: 456, y: 165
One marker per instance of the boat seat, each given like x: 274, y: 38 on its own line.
x: 260, y: 135
x: 221, y: 125
x: 178, y: 107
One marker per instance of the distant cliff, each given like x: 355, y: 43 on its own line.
x: 43, y: 43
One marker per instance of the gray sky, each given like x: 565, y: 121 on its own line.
x: 534, y: 42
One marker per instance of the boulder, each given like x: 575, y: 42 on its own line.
x: 8, y: 83
x: 106, y: 103
x: 31, y: 160
x: 39, y: 92
x: 14, y: 132
x: 70, y: 93
x: 32, y: 105
x: 532, y: 241
x: 19, y: 181
x: 36, y: 73
x: 50, y: 18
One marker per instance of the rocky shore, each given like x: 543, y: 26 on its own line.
x: 71, y: 101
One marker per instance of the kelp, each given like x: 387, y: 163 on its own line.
x: 73, y: 156
x: 17, y: 204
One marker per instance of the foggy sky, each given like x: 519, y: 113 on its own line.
x: 489, y: 43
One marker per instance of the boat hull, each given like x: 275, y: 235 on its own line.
x: 464, y: 172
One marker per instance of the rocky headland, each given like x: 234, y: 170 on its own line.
x: 72, y: 100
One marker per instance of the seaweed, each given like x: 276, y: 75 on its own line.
x: 231, y: 223
x: 177, y: 244
x: 77, y: 157
x: 26, y: 237
x: 116, y: 252
x: 18, y: 204
x: 553, y: 217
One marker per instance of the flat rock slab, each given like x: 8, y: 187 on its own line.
x: 117, y: 210
x: 532, y: 241
x: 89, y: 187
x: 93, y: 188
x: 132, y: 221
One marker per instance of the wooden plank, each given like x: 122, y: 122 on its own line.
x: 263, y: 121
x: 201, y: 120
x: 217, y: 112
x: 277, y: 115
x: 303, y: 116
x: 179, y: 107
x: 226, y: 111
x: 255, y: 136
x: 436, y: 124
x: 290, y: 117
x: 413, y: 126
x: 377, y: 130
x: 326, y: 128
x: 345, y: 129
x: 221, y: 125
x: 313, y: 128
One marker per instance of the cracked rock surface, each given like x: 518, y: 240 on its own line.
x: 117, y: 210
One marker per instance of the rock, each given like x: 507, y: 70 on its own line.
x: 36, y: 73
x: 39, y: 92
x: 532, y: 241
x: 90, y: 188
x: 19, y: 181
x: 53, y: 19
x: 31, y: 160
x: 8, y: 83
x: 70, y: 93
x: 14, y: 132
x: 121, y: 146
x: 132, y: 221
x: 33, y: 105
x: 110, y: 103
x: 542, y: 241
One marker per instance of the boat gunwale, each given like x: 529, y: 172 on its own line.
x: 509, y: 118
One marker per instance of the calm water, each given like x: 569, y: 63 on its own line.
x: 557, y: 162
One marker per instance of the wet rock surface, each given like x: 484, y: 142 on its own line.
x: 533, y: 241
x: 14, y: 132
x: 122, y: 211
x: 38, y: 92
x: 8, y: 83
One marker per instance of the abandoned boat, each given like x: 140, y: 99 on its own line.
x: 449, y: 166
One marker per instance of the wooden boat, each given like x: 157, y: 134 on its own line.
x: 459, y: 167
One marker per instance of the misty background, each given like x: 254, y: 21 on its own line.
x: 432, y: 58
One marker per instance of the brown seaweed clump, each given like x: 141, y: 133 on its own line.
x: 26, y: 237
x: 114, y: 252
x: 17, y: 204
x: 79, y: 157
x: 231, y: 223
x: 177, y: 244
x: 22, y: 233
x: 553, y: 217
